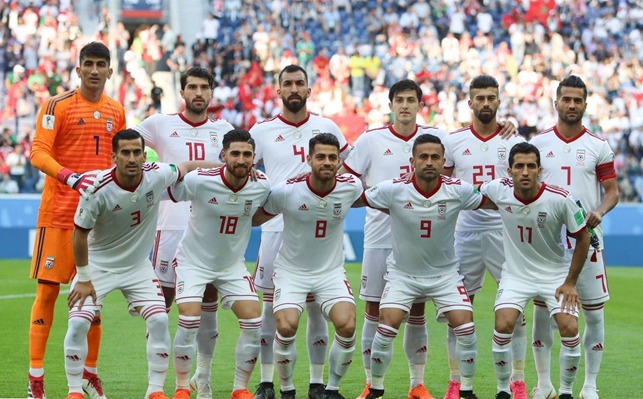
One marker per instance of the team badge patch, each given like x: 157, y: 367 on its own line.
x: 261, y: 271
x: 180, y: 286
x: 498, y: 294
x: 385, y: 292
x: 316, y: 132
x: 502, y: 154
x: 337, y: 211
x: 48, y: 122
x: 49, y: 262
x: 277, y: 293
x: 214, y: 139
x: 82, y: 214
x: 149, y: 197
x: 364, y: 280
x: 580, y: 155
x: 442, y: 210
x: 164, y: 265
x: 542, y: 219
x: 109, y: 125
x: 247, y: 207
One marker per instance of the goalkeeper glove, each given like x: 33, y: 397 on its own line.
x: 84, y: 183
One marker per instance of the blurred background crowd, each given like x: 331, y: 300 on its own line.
x: 353, y: 51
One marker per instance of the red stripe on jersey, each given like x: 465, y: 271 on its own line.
x: 351, y: 171
x: 551, y: 129
x: 344, y: 179
x: 365, y: 199
x: 268, y: 120
x: 169, y: 193
x: 209, y: 172
x: 606, y: 171
x: 266, y: 212
x: 377, y: 128
x: 556, y: 190
x: 108, y: 179
x: 577, y: 233
x: 150, y: 166
x: 450, y: 181
x: 505, y: 181
x: 463, y: 129
x: 297, y: 179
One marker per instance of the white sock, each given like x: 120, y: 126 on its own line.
x: 339, y: 358
x: 519, y: 349
x: 75, y: 347
x: 501, y: 348
x: 416, y: 341
x: 206, y: 340
x: 593, y: 341
x: 466, y: 351
x: 381, y: 354
x: 184, y: 349
x: 368, y: 334
x: 316, y: 341
x: 285, y: 356
x: 543, y: 338
x: 247, y: 351
x: 158, y: 346
x: 268, y: 331
x: 454, y: 366
x: 569, y: 361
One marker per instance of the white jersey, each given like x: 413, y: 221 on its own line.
x: 283, y: 147
x: 378, y: 155
x: 123, y: 220
x: 423, y: 224
x: 221, y: 217
x: 532, y: 241
x: 577, y: 165
x: 313, y: 224
x: 175, y: 140
x: 476, y: 160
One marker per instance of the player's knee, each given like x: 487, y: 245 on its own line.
x: 47, y: 293
x: 504, y: 325
x: 77, y: 328
x: 568, y: 327
x: 157, y: 321
x: 593, y: 317
x: 372, y: 309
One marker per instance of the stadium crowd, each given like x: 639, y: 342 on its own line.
x: 353, y: 51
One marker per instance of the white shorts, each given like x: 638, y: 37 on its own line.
x: 291, y: 290
x: 592, y: 282
x: 234, y: 283
x: 515, y: 293
x: 477, y: 251
x: 140, y: 287
x: 446, y: 292
x: 165, y: 245
x: 373, y: 271
x: 268, y: 249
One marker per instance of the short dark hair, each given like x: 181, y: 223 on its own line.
x: 523, y: 148
x: 404, y: 85
x: 126, y: 134
x: 291, y: 69
x: 95, y: 49
x: 482, y: 82
x: 572, y: 81
x: 427, y: 138
x: 199, y: 73
x: 237, y: 136
x: 322, y: 138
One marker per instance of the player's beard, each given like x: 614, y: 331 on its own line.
x: 294, y: 107
x: 486, y: 118
x: 240, y: 171
x: 571, y: 120
x: 195, y: 109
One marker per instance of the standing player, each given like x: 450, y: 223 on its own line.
x: 477, y: 154
x: 579, y: 161
x: 73, y: 134
x: 383, y: 154
x: 533, y: 214
x: 423, y: 266
x: 186, y: 136
x: 223, y: 202
x: 114, y: 232
x: 311, y: 260
x: 282, y: 144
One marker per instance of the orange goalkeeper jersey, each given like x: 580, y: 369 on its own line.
x: 72, y: 133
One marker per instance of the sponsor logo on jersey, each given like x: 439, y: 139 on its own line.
x: 163, y: 266
x: 174, y: 134
x: 408, y: 205
x: 466, y: 152
x: 279, y: 138
x: 508, y: 209
x: 388, y: 152
x: 213, y: 200
x: 542, y: 219
x: 442, y: 210
x: 337, y: 210
x: 49, y: 262
x: 116, y: 208
x: 149, y: 197
x: 550, y: 154
x: 303, y: 207
x: 81, y: 122
x: 214, y: 139
x: 109, y: 125
x: 580, y: 156
x: 48, y: 122
x: 502, y: 154
x: 247, y: 207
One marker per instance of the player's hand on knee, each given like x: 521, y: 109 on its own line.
x: 567, y: 296
x: 81, y: 291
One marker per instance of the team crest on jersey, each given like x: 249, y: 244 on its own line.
x: 337, y: 210
x: 442, y: 210
x: 261, y: 272
x: 180, y: 286
x: 316, y: 132
x: 49, y: 262
x: 277, y: 293
x: 580, y: 157
x: 48, y: 122
x: 502, y: 154
x: 163, y: 266
x: 499, y: 294
x: 542, y: 219
x: 385, y: 292
x: 109, y: 125
x: 364, y: 280
x: 247, y: 207
x: 149, y: 197
x: 82, y: 214
x: 214, y: 139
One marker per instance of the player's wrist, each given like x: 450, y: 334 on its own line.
x: 82, y: 272
x: 64, y: 174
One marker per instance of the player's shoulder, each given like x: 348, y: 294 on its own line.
x: 593, y: 136
x: 263, y: 123
x: 347, y: 178
x: 371, y: 133
x: 543, y: 135
x: 106, y: 180
x: 59, y: 102
x: 555, y: 190
x: 208, y: 172
x: 219, y: 123
x: 450, y: 181
x: 436, y: 131
x: 296, y: 180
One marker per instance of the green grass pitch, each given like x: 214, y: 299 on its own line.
x: 123, y: 367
